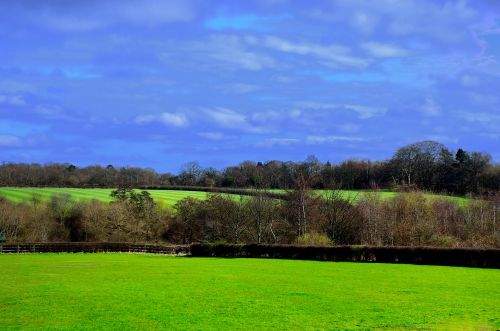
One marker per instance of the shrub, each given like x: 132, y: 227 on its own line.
x: 68, y: 213
x: 314, y: 238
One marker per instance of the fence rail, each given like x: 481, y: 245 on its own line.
x: 89, y: 247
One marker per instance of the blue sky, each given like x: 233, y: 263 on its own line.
x: 161, y: 83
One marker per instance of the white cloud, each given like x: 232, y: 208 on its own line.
x: 178, y: 120
x: 314, y: 140
x: 226, y: 117
x: 230, y: 119
x: 330, y: 54
x: 384, y: 50
x: 364, y: 112
x: 170, y: 119
x: 272, y: 142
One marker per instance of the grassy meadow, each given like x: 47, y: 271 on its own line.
x: 163, y: 197
x: 169, y: 197
x: 126, y: 291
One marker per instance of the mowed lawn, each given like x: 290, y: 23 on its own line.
x: 127, y: 291
x: 170, y: 197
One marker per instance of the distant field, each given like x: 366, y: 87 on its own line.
x: 168, y: 198
x: 358, y: 194
x: 165, y: 197
x: 146, y: 292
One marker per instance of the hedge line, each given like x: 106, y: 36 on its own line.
x: 483, y: 258
x: 228, y: 190
x: 89, y: 247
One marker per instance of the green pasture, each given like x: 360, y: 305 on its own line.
x: 169, y: 197
x: 356, y: 195
x: 17, y: 194
x: 153, y: 292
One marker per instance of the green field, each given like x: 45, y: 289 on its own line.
x: 355, y: 195
x: 126, y: 291
x: 165, y: 197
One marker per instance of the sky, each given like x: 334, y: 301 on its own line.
x: 161, y: 83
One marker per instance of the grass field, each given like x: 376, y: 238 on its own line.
x: 16, y: 194
x: 125, y: 291
x: 165, y: 197
x: 358, y: 194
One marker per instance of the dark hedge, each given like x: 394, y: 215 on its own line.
x: 483, y: 258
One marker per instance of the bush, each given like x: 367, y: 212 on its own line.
x: 68, y: 213
x: 314, y: 238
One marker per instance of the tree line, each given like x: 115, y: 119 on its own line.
x: 301, y: 217
x: 425, y: 165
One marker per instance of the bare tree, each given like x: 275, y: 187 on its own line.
x: 342, y: 220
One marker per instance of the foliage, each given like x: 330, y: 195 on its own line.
x: 314, y: 238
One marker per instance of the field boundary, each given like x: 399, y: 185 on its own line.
x: 462, y: 257
x: 93, y: 247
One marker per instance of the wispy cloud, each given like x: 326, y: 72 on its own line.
x: 314, y: 139
x: 233, y: 120
x: 170, y: 119
x: 363, y: 112
x: 273, y: 142
x: 329, y: 54
x: 384, y: 50
x: 226, y: 117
